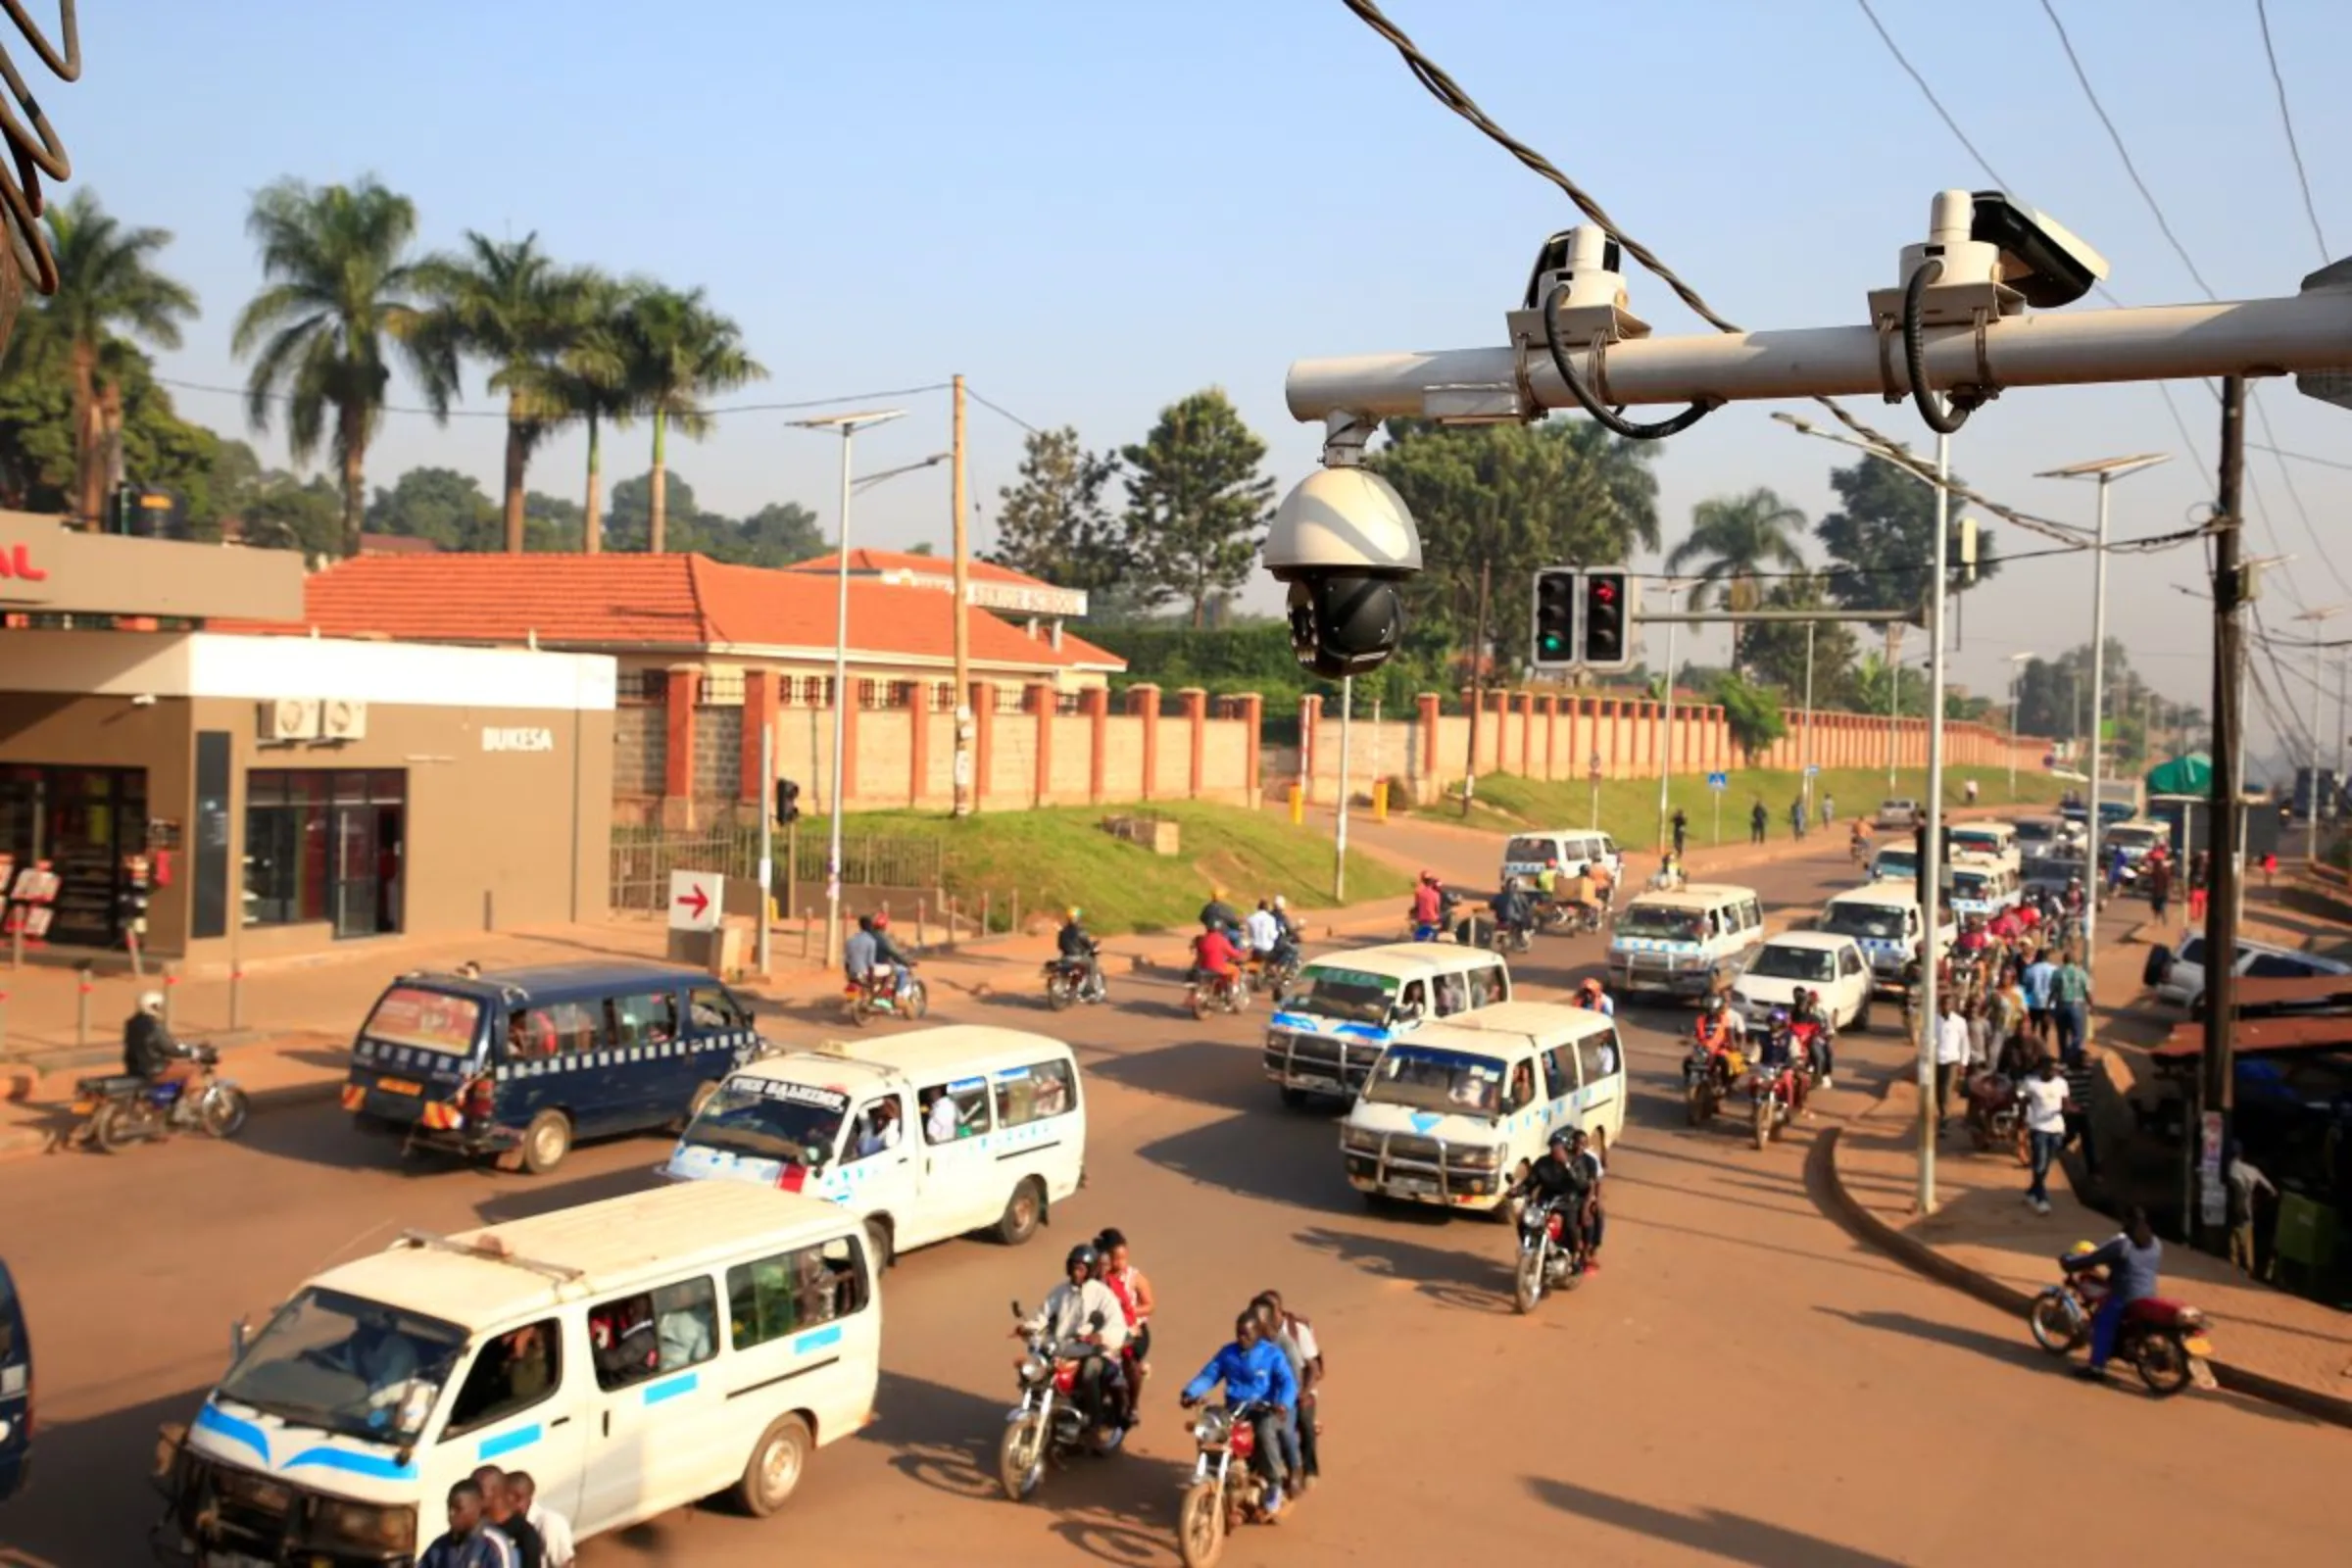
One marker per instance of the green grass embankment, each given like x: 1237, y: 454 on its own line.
x: 1058, y: 856
x: 1629, y: 807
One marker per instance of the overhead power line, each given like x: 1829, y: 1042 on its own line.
x: 2287, y: 123
x: 500, y: 414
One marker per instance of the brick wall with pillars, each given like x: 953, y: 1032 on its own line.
x: 1143, y: 700
x: 982, y: 696
x: 1196, y: 726
x: 1038, y: 699
x: 758, y: 713
x: 1252, y: 715
x: 1311, y: 716
x: 677, y: 767
x: 1097, y: 717
x: 1551, y: 734
x: 919, y: 748
x: 1425, y: 709
x: 1527, y: 734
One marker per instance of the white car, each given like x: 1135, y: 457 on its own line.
x: 2179, y: 976
x: 1818, y: 960
x: 1896, y: 813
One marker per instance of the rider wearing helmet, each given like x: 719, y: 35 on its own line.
x: 1083, y: 1308
x: 1074, y: 945
x: 1780, y: 1054
x: 149, y: 1050
x: 1823, y: 1046
x: 1561, y: 1181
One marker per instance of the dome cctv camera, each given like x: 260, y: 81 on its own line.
x: 1343, y: 539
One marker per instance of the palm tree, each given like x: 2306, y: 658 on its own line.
x: 339, y: 283
x: 1733, y: 539
x: 593, y: 381
x: 107, y: 287
x: 508, y: 303
x: 678, y: 351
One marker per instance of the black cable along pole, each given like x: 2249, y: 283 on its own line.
x: 2209, y: 1140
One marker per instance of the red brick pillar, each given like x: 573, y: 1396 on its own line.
x: 1551, y: 734
x: 1527, y: 734
x: 1310, y: 721
x: 1143, y: 700
x: 848, y: 740
x: 918, y: 744
x: 758, y: 712
x: 1098, y: 724
x: 1196, y: 720
x: 983, y: 698
x: 1039, y: 699
x: 1253, y: 715
x: 677, y: 762
x: 1425, y: 709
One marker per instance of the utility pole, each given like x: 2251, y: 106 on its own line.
x: 1894, y: 705
x: 1930, y: 851
x: 1808, y: 774
x: 1338, y: 837
x: 1478, y: 688
x: 1665, y: 743
x: 2318, y: 800
x: 962, y: 538
x: 2210, y: 1146
x: 768, y: 836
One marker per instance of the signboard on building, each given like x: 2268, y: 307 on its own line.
x: 46, y: 565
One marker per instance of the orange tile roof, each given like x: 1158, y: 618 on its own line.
x: 617, y: 601
x: 881, y: 560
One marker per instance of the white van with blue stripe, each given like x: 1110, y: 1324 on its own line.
x: 1453, y: 1114
x: 1883, y: 918
x: 635, y: 1355
x: 1984, y: 886
x: 1686, y: 942
x: 1335, y: 1019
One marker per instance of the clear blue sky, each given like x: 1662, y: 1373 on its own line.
x: 1092, y: 208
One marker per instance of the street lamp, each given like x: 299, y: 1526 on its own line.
x: 848, y: 425
x: 2311, y: 829
x: 2017, y: 671
x: 2106, y: 471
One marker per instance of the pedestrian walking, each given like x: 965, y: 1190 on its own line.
x: 1952, y: 1054
x: 1797, y: 817
x: 1682, y: 830
x: 1829, y: 811
x: 2046, y: 1096
x: 1756, y: 818
x: 2070, y: 1003
x: 2200, y: 867
x: 2160, y: 886
x: 2244, y: 1182
x: 2081, y: 1080
x: 2039, y: 971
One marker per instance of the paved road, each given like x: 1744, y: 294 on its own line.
x: 1743, y: 1383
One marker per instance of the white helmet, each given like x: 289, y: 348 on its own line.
x: 152, y: 1001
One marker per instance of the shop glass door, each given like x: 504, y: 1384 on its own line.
x: 355, y: 904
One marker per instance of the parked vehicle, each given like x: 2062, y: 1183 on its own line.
x: 2164, y: 1341
x: 1453, y: 1112
x: 15, y: 1390
x: 1330, y: 1027
x: 2179, y: 975
x: 1685, y: 943
x: 1897, y: 812
x: 1546, y: 1262
x: 881, y: 993
x: 1827, y: 962
x: 989, y: 1131
x: 519, y: 1063
x: 1068, y: 982
x: 121, y: 1109
x: 1047, y: 1427
x: 1226, y: 1490
x: 636, y: 1356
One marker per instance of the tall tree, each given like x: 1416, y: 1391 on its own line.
x: 340, y: 289
x: 441, y: 505
x: 1055, y: 524
x: 1734, y: 540
x: 1512, y: 499
x: 678, y: 352
x: 39, y: 449
x: 108, y: 290
x: 1882, y: 539
x: 594, y: 380
x: 1196, y: 503
x: 507, y: 304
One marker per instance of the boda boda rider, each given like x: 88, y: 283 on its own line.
x: 1074, y: 945
x: 1779, y: 1054
x: 859, y: 953
x: 1580, y: 1148
x: 1429, y: 907
x: 1560, y: 1181
x: 1509, y: 904
x: 1809, y: 1010
x: 1254, y: 1373
x: 887, y: 951
x: 149, y: 1049
x: 1217, y: 912
x: 1083, y: 1308
x: 2130, y: 1257
x: 1134, y: 1291
x: 1214, y: 955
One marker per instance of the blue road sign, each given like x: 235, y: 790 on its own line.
x: 1812, y: 770
x: 1719, y: 781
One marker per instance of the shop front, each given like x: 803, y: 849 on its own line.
x: 232, y: 798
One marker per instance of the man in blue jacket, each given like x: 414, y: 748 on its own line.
x: 1253, y: 1372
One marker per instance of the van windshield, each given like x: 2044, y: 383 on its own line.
x: 1876, y: 922
x: 1531, y: 852
x: 342, y: 1364
x: 1430, y: 1079
x: 1344, y: 996
x: 1778, y: 961
x: 1904, y: 862
x: 1658, y: 923
x: 1974, y: 886
x: 2038, y: 832
x: 430, y: 1020
x: 769, y: 1118
x: 1978, y: 840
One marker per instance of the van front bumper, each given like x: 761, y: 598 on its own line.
x: 1693, y: 979
x: 1319, y: 1064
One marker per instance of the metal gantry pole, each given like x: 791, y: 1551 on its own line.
x: 1895, y: 706
x: 2311, y: 829
x: 2208, y: 1145
x: 1930, y: 857
x: 1338, y: 836
x: 1666, y: 738
x: 2098, y: 728
x: 768, y: 836
x: 1808, y: 774
x: 841, y: 699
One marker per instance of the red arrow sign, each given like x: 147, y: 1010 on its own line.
x: 696, y: 900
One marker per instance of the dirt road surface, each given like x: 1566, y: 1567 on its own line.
x: 1743, y: 1383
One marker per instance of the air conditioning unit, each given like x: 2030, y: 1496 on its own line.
x: 290, y: 718
x: 342, y: 720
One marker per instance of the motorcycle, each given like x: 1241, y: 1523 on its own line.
x: 2164, y: 1341
x: 1996, y: 1116
x: 1508, y: 939
x: 880, y: 992
x: 1226, y: 1490
x: 1448, y: 902
x: 1274, y: 972
x: 1067, y: 984
x: 1774, y: 1092
x: 1858, y: 850
x: 1707, y: 1080
x: 1047, y: 1427
x: 1204, y: 992
x: 1547, y: 1261
x: 123, y: 1108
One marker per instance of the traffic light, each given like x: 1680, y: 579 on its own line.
x: 788, y: 801
x: 1555, y: 617
x: 1607, y: 615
